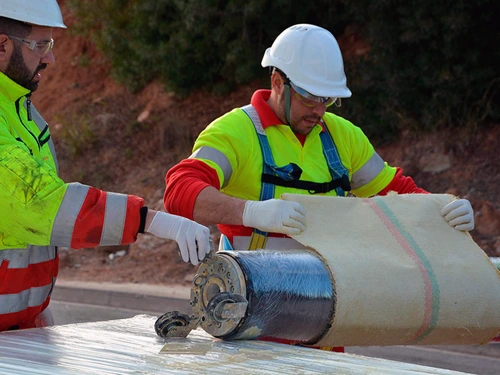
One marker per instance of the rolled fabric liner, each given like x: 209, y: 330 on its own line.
x: 401, y: 274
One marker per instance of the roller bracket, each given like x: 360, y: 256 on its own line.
x: 225, y: 306
x: 218, y: 300
x: 175, y: 324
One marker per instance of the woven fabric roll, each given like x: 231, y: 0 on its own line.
x: 402, y: 275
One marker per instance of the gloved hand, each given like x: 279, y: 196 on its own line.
x: 459, y: 215
x: 192, y: 238
x: 275, y: 215
x: 44, y: 319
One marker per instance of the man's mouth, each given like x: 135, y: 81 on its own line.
x: 37, y: 74
x: 311, y: 120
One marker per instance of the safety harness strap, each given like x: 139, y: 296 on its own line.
x: 341, y: 183
x: 289, y: 175
x: 258, y: 238
x: 337, y: 170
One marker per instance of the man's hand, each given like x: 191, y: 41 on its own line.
x: 192, y: 238
x: 275, y: 215
x: 459, y: 215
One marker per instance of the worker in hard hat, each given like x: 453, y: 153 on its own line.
x: 285, y: 141
x: 39, y: 211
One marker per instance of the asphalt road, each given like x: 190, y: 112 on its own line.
x: 482, y: 360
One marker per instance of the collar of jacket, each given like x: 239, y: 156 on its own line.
x: 267, y: 115
x: 10, y: 89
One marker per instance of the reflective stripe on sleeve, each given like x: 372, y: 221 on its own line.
x: 218, y: 158
x: 12, y: 303
x: 22, y: 258
x: 64, y: 224
x: 114, y: 219
x: 368, y: 172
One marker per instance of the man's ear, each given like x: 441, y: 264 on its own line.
x: 276, y: 82
x: 5, y: 49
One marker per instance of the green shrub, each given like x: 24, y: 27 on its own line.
x: 430, y: 63
x: 133, y: 35
x: 191, y: 44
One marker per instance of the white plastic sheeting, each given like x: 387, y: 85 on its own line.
x: 130, y: 346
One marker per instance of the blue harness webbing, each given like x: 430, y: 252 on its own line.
x: 289, y: 172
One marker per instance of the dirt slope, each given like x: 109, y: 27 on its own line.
x: 121, y: 142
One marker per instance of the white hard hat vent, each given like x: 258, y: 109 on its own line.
x: 36, y: 12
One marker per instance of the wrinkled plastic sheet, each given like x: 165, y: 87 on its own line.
x: 130, y: 346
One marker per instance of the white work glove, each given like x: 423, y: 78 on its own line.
x: 459, y: 215
x: 193, y: 238
x: 275, y: 215
x: 44, y: 319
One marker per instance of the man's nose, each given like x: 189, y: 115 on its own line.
x: 49, y: 58
x: 320, y: 109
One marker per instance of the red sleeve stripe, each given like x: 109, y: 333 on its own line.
x: 132, y: 220
x: 89, y: 223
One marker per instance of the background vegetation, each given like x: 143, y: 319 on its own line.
x: 430, y: 64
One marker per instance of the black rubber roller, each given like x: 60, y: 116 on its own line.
x: 165, y: 323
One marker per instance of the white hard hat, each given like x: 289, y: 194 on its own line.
x: 37, y: 12
x: 310, y: 57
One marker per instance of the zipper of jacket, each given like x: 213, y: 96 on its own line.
x: 28, y: 106
x: 45, y: 130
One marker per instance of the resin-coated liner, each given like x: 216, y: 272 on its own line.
x: 290, y: 295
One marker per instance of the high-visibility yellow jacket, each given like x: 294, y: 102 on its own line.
x: 228, y: 156
x: 39, y: 212
x: 230, y: 146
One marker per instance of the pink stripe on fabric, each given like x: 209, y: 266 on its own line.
x: 411, y: 252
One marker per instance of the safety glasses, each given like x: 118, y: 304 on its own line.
x: 41, y: 48
x: 310, y: 100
